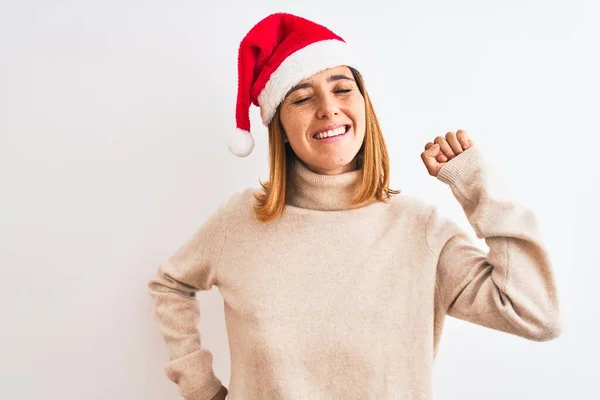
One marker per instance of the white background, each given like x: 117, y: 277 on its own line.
x: 114, y: 117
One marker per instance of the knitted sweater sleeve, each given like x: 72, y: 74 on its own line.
x: 510, y: 288
x: 191, y: 268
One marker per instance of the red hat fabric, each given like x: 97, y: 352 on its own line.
x: 278, y: 52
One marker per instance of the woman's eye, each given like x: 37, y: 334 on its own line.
x: 308, y: 98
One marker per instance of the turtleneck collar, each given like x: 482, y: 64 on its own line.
x: 322, y: 192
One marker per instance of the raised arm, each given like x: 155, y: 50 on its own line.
x: 511, y: 287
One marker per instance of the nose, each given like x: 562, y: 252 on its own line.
x: 327, y: 106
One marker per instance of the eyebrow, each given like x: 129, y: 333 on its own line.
x: 332, y: 78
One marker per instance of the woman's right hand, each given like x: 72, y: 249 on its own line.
x: 222, y: 394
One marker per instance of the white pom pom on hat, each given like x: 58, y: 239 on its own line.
x: 278, y: 52
x: 241, y: 143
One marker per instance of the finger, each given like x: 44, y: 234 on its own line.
x: 437, y: 154
x: 464, y: 139
x: 432, y: 150
x: 444, y: 146
x: 453, y: 142
x: 429, y: 157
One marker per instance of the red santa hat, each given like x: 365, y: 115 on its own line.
x: 278, y: 52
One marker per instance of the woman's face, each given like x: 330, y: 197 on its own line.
x: 323, y: 103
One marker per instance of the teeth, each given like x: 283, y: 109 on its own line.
x: 334, y: 132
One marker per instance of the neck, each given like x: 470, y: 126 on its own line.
x: 351, y: 166
x: 322, y: 192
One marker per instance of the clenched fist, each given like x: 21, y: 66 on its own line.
x: 444, y: 149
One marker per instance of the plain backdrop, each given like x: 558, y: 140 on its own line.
x: 114, y: 117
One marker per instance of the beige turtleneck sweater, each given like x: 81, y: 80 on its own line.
x: 338, y: 302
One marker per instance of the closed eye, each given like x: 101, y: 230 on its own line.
x: 301, y: 100
x: 308, y: 98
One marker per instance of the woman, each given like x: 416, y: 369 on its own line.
x: 336, y: 286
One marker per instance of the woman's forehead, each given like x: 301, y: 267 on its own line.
x: 331, y: 75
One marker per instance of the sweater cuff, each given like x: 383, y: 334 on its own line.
x: 205, y: 392
x: 462, y: 167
